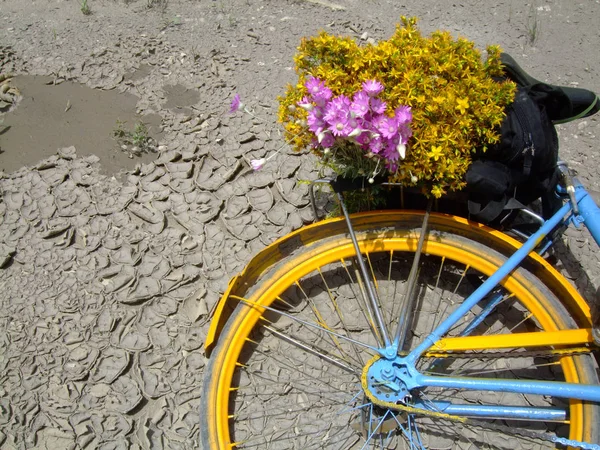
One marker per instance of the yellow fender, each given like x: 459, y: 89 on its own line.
x: 304, y: 236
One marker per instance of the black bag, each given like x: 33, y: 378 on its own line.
x: 522, y: 166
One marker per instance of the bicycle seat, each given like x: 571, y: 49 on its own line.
x: 569, y: 103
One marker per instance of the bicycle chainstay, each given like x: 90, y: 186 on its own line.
x: 480, y: 423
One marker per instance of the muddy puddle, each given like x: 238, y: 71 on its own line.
x: 51, y: 116
x: 180, y: 99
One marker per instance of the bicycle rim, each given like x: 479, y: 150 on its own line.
x: 267, y: 386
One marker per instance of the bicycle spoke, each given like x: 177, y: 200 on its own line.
x: 364, y: 305
x: 340, y: 317
x: 299, y: 379
x: 438, y: 301
x: 335, y: 343
x: 315, y: 433
x: 392, y: 292
x: 320, y: 320
x: 294, y: 369
x: 308, y: 324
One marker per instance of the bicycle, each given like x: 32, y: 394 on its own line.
x: 313, y: 346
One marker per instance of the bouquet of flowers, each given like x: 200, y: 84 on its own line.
x: 343, y: 124
x: 412, y: 108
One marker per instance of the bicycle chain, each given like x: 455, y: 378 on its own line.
x: 520, y: 354
x: 481, y: 424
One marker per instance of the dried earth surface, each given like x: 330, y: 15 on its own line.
x: 111, y: 263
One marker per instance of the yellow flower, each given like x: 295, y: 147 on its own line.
x: 437, y: 191
x: 435, y: 152
x: 431, y: 108
x: 463, y: 122
x: 448, y: 138
x: 462, y: 104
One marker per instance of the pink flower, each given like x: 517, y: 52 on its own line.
x: 323, y: 96
x: 403, y: 114
x: 339, y: 106
x: 328, y: 140
x: 340, y: 127
x: 315, y: 121
x: 391, y: 150
x: 376, y: 144
x: 360, y: 104
x: 364, y: 139
x: 372, y: 87
x: 258, y: 164
x: 313, y: 85
x: 318, y: 91
x: 377, y: 106
x: 405, y: 131
x: 388, y: 127
x: 337, y: 115
x: 361, y: 120
x: 236, y: 104
x: 353, y: 122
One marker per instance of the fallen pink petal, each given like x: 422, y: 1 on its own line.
x: 258, y: 164
x: 236, y: 104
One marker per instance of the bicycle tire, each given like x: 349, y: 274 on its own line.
x: 246, y: 335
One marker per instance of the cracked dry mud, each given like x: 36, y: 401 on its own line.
x: 108, y: 277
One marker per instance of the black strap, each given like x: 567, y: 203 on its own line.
x: 528, y: 158
x: 513, y: 203
x: 521, y: 112
x: 492, y: 209
x: 488, y: 212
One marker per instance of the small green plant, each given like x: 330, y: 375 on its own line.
x: 85, y: 8
x: 136, y: 141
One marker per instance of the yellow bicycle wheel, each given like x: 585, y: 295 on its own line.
x: 287, y: 372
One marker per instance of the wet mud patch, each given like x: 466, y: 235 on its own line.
x: 142, y: 72
x: 50, y: 117
x: 180, y: 98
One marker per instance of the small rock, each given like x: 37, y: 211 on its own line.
x: 68, y: 153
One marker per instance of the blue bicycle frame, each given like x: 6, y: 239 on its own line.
x: 581, y: 209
